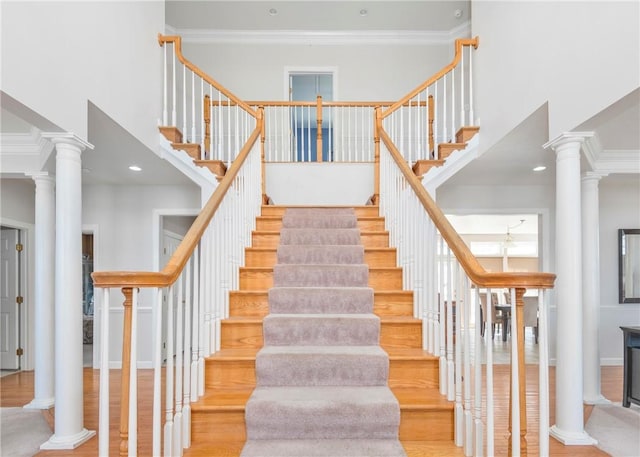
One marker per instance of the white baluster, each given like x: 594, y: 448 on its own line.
x: 168, y: 425
x: 238, y: 145
x: 211, y: 131
x: 165, y: 98
x: 229, y: 146
x: 177, y: 418
x: 468, y: 413
x: 157, y: 375
x: 186, y: 400
x: 309, y: 159
x: 174, y: 115
x: 220, y: 132
x: 453, y: 105
x: 442, y: 318
x: 450, y: 349
x: 489, y: 375
x: 445, y: 136
x: 543, y: 381
x: 459, y: 299
x: 202, y: 127
x: 103, y: 421
x: 195, y: 326
x: 515, y: 381
x: 184, y: 105
x: 478, y: 430
x: 193, y: 107
x: 462, y: 113
x: 471, y: 115
x: 133, y: 379
x: 435, y: 120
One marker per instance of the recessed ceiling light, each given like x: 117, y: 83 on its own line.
x: 363, y: 12
x: 273, y: 11
x: 457, y: 13
x: 134, y: 168
x: 540, y: 168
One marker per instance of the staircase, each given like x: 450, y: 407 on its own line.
x: 218, y: 419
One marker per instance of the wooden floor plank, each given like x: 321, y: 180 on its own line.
x: 17, y: 390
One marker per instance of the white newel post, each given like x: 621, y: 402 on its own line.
x: 569, y: 427
x: 69, y: 431
x: 591, y: 287
x: 45, y: 207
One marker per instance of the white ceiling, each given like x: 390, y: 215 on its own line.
x: 509, y: 162
x: 342, y: 15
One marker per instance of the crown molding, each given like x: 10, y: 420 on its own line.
x: 611, y: 161
x: 25, y: 143
x: 322, y: 37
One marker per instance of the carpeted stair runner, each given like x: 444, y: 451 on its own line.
x: 321, y: 375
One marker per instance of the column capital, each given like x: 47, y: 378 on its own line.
x: 566, y: 138
x: 67, y: 138
x: 593, y: 176
x: 41, y: 176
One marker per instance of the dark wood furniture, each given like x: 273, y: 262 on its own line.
x: 631, y: 377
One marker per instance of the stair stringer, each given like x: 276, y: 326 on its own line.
x: 458, y: 159
x: 201, y: 176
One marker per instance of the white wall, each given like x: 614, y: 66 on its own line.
x: 619, y: 208
x: 18, y: 200
x: 58, y: 55
x: 319, y: 183
x: 365, y: 72
x: 124, y: 216
x: 579, y: 56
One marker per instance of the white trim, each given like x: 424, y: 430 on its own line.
x: 324, y: 37
x: 611, y: 361
x: 157, y: 214
x: 605, y: 162
x: 27, y: 281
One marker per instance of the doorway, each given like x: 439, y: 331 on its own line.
x: 87, y: 299
x: 12, y: 299
x: 306, y: 86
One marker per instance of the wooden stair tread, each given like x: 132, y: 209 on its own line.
x: 270, y: 269
x: 231, y: 354
x: 222, y: 399
x: 250, y: 354
x: 367, y: 249
x: 235, y: 399
x: 409, y: 354
x: 414, y: 398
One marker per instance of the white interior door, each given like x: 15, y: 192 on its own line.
x: 170, y: 242
x: 9, y: 292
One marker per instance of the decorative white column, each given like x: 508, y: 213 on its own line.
x: 69, y: 431
x: 569, y: 427
x: 591, y: 288
x: 45, y: 206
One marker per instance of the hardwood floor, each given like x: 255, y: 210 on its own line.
x: 17, y: 390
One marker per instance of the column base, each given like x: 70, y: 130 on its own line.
x: 596, y: 400
x: 572, y: 438
x: 68, y: 442
x: 40, y: 403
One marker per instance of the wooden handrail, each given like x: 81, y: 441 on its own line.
x: 177, y: 41
x: 355, y: 104
x: 456, y: 59
x: 178, y: 260
x: 476, y: 273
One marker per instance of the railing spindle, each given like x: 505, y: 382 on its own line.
x: 133, y: 381
x: 103, y: 421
